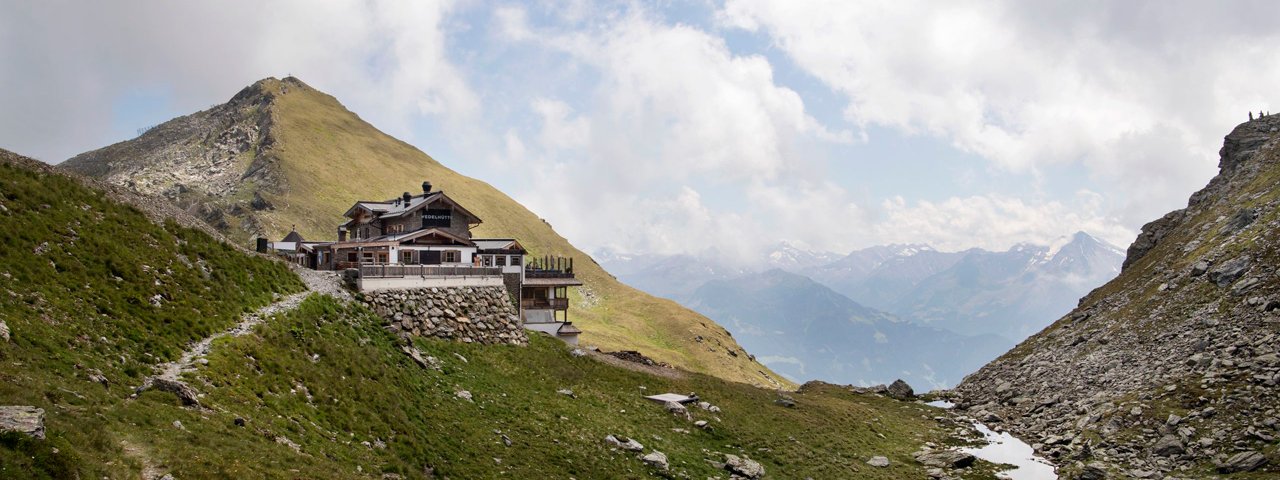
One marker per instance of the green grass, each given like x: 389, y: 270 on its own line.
x: 80, y: 273
x: 364, y: 390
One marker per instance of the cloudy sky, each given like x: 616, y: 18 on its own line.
x: 684, y: 126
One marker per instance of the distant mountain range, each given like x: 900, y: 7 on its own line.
x: 973, y: 298
x: 804, y: 330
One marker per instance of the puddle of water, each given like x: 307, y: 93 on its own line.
x: 1004, y: 448
x: 941, y: 404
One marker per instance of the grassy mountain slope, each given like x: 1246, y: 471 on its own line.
x: 300, y: 158
x: 323, y: 391
x: 1172, y: 367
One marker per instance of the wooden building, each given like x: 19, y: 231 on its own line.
x: 425, y: 240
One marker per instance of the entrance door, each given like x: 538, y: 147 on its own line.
x: 431, y: 257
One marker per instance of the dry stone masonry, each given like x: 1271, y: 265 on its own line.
x: 467, y: 314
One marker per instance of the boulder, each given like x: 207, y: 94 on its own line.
x: 1092, y: 471
x: 1243, y: 462
x: 463, y: 394
x: 629, y: 444
x: 22, y: 419
x: 1168, y: 446
x: 1228, y: 272
x: 4, y: 331
x: 184, y: 392
x: 676, y: 409
x: 743, y: 466
x: 656, y: 460
x: 944, y: 458
x: 900, y: 390
x: 878, y: 462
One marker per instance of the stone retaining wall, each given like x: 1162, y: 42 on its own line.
x: 467, y: 314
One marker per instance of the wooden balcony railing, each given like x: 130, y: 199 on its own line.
x: 401, y: 271
x: 545, y: 303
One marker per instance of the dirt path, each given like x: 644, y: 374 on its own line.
x: 317, y: 282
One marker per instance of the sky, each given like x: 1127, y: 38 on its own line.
x: 706, y: 127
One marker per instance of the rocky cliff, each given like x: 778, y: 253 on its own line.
x: 1172, y: 368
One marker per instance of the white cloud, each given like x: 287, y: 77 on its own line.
x: 995, y: 222
x: 1027, y: 84
x: 387, y: 60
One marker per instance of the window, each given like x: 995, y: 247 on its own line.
x: 406, y: 257
x: 515, y: 260
x: 486, y: 260
x: 501, y: 260
x: 450, y: 256
x: 367, y: 257
x: 351, y: 256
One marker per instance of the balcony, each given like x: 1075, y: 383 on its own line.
x: 549, y: 267
x: 544, y: 303
x: 392, y: 270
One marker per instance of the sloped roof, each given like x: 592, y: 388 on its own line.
x: 499, y: 244
x: 397, y: 207
x: 293, y: 236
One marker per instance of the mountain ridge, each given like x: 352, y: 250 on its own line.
x: 1171, y: 368
x: 281, y: 155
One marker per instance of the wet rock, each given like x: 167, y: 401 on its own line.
x: 23, y: 419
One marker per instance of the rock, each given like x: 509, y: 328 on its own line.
x: 1229, y: 271
x: 1243, y: 462
x: 944, y: 458
x: 239, y: 421
x: 96, y: 376
x: 785, y: 401
x: 289, y: 443
x: 702, y: 424
x: 465, y: 395
x: 1168, y: 445
x: 1240, y: 220
x: 742, y: 466
x: 178, y: 425
x: 1199, y: 268
x: 900, y: 390
x: 22, y: 419
x: 424, y: 362
x: 878, y: 462
x: 629, y: 444
x: 1092, y: 471
x: 577, y: 352
x: 676, y: 409
x: 4, y: 331
x: 656, y: 460
x: 184, y: 392
x: 566, y: 392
